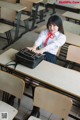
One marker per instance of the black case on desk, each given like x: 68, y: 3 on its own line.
x: 28, y: 58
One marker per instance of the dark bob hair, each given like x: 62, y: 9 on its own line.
x: 55, y: 20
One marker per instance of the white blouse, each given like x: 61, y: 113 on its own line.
x: 53, y: 44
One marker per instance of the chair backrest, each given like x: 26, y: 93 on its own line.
x: 71, y: 27
x: 73, y: 54
x: 28, y: 4
x: 7, y: 14
x: 53, y: 102
x: 11, y: 84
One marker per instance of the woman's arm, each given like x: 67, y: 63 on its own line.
x: 38, y: 42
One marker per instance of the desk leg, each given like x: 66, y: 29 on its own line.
x: 17, y: 26
x: 36, y: 110
x: 34, y: 18
x: 53, y: 7
x: 9, y: 39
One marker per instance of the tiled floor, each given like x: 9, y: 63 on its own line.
x: 26, y: 103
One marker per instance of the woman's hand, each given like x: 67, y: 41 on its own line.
x: 31, y: 48
x: 41, y: 51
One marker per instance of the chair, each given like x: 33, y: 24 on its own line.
x: 73, y: 57
x: 15, y: 19
x: 5, y: 23
x: 41, y: 11
x: 27, y: 13
x: 28, y: 4
x: 5, y: 28
x: 9, y: 15
x: 10, y: 85
x: 51, y: 101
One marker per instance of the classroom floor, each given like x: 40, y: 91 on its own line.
x: 26, y: 103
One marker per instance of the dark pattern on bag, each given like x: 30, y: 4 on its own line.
x: 28, y: 58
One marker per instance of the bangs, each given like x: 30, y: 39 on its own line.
x: 54, y: 21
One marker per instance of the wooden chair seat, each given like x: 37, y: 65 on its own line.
x: 24, y: 17
x: 5, y: 28
x: 41, y: 8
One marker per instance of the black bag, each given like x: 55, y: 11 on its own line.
x: 28, y: 58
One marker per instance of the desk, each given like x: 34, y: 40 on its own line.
x: 12, y: 6
x: 71, y: 15
x: 72, y: 39
x: 53, y: 76
x: 77, y: 6
x: 36, y: 2
x: 73, y: 54
x: 18, y: 8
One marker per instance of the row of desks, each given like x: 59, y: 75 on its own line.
x: 19, y: 8
x: 53, y: 76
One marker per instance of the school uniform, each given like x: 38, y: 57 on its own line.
x: 52, y: 46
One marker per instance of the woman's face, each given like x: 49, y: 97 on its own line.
x: 53, y: 28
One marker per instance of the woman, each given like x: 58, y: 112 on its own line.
x: 50, y: 40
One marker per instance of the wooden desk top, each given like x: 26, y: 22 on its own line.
x: 72, y: 15
x: 77, y: 6
x: 72, y: 39
x: 35, y: 1
x: 54, y: 75
x: 16, y: 7
x: 73, y: 54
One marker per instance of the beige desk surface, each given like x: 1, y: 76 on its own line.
x: 77, y: 6
x: 54, y: 75
x: 73, y: 54
x: 16, y: 7
x: 73, y: 39
x: 35, y: 1
x: 73, y: 15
